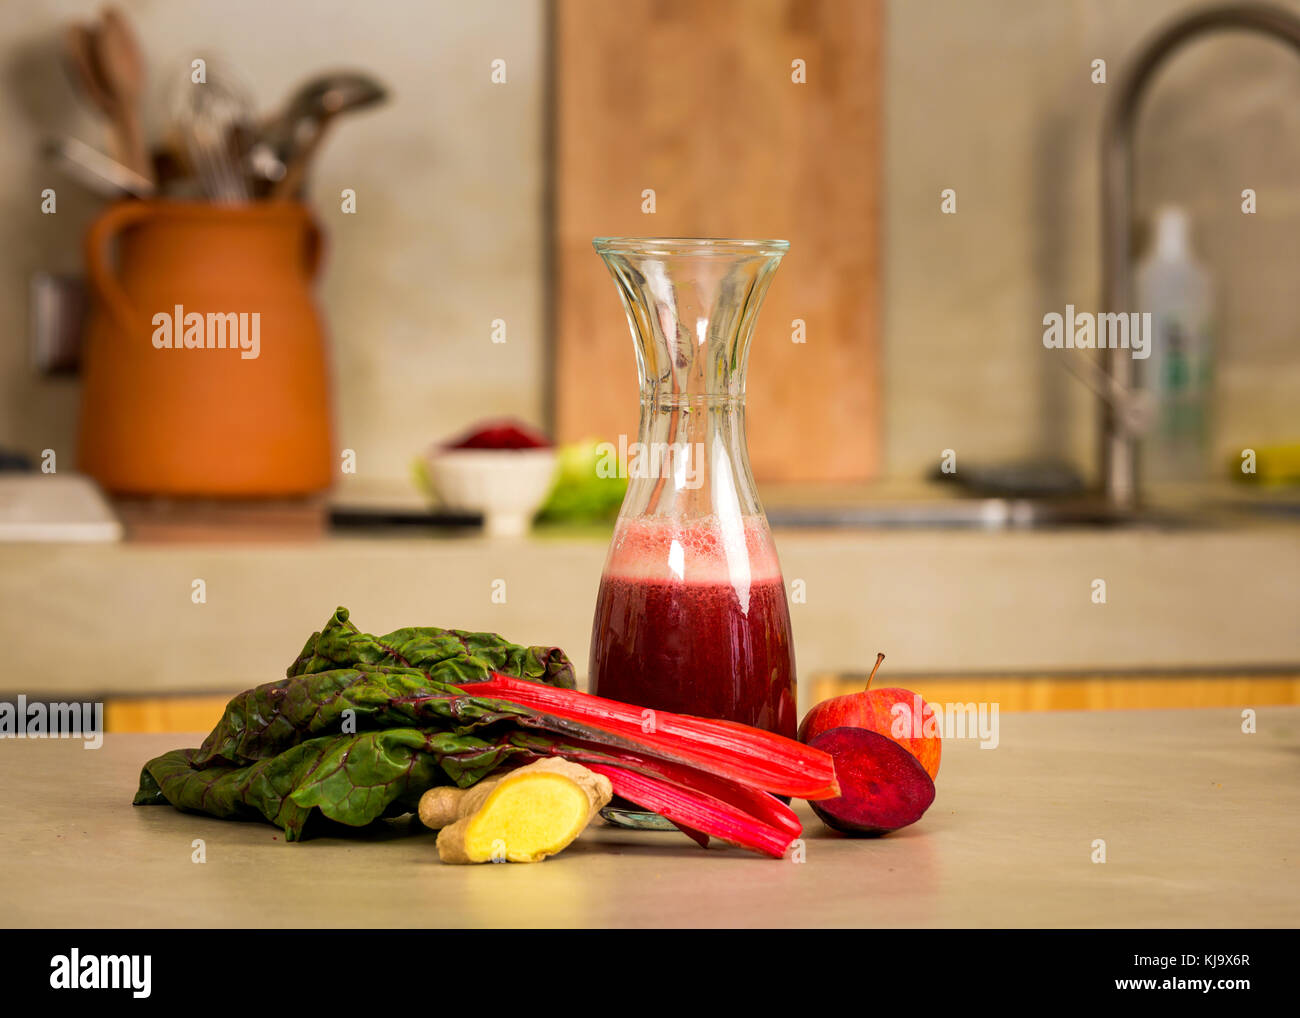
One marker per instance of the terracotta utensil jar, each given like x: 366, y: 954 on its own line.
x: 170, y: 411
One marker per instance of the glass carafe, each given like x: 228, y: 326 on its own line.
x: 691, y: 615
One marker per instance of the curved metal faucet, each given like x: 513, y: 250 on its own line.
x: 1119, y: 452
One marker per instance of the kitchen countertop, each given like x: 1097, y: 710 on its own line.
x: 1201, y: 825
x: 125, y: 617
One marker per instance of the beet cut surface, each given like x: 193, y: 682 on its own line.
x: 883, y: 786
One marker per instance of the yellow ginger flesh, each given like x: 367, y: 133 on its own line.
x: 525, y: 815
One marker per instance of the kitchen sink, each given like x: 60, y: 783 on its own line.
x: 979, y: 514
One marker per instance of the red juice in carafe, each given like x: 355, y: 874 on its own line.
x: 692, y: 618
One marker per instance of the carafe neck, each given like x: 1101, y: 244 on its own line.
x: 691, y: 306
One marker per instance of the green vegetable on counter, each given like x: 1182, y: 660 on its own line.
x: 363, y: 726
x: 285, y: 748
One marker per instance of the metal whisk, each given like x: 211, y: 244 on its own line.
x: 214, y: 118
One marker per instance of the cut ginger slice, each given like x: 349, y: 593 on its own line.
x: 524, y: 816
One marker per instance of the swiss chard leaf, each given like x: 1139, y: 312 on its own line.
x: 453, y: 656
x: 359, y: 729
x: 351, y: 779
x: 269, y: 719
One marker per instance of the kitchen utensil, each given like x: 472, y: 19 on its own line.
x: 290, y: 182
x: 219, y: 417
x: 691, y: 615
x: 291, y: 139
x: 120, y: 69
x: 264, y: 167
x: 170, y: 168
x: 79, y: 59
x: 103, y: 175
x: 212, y: 116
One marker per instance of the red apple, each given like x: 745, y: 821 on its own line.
x: 899, y: 714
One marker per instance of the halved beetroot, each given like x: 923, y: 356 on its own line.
x: 882, y: 786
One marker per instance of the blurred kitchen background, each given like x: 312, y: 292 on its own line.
x: 475, y: 203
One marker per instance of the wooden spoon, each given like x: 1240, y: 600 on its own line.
x: 79, y: 57
x: 121, y: 70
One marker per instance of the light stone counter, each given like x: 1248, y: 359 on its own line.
x: 87, y: 620
x: 1201, y: 825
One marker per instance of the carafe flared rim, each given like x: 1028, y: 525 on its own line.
x: 699, y: 246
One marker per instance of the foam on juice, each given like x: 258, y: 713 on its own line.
x: 692, y: 618
x: 705, y: 550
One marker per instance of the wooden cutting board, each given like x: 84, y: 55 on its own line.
x: 697, y: 101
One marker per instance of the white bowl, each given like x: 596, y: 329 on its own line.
x: 507, y: 486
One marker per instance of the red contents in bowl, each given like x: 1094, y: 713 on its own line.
x: 502, y: 434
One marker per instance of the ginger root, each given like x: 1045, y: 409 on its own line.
x: 522, y: 816
x: 440, y: 807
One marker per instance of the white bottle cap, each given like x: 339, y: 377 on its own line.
x: 1173, y: 228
